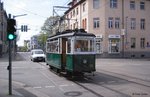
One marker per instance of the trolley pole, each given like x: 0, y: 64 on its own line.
x: 10, y: 65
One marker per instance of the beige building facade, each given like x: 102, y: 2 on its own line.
x: 122, y: 27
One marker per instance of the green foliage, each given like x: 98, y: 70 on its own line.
x: 42, y: 38
x: 22, y: 49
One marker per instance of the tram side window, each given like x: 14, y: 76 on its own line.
x: 53, y: 47
x: 84, y: 45
x: 69, y: 46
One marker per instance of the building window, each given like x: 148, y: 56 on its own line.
x: 142, y: 43
x: 132, y: 5
x: 98, y: 45
x: 133, y: 42
x: 84, y: 7
x: 70, y: 14
x: 133, y: 23
x: 142, y: 24
x: 96, y: 4
x: 96, y: 23
x: 77, y: 11
x: 142, y: 5
x: 113, y: 3
x: 114, y: 46
x: 117, y: 23
x: 74, y: 12
x: 110, y: 22
x: 74, y: 25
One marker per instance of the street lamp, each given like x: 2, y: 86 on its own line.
x: 19, y: 15
x: 15, y: 46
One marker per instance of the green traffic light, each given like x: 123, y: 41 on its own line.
x: 11, y: 36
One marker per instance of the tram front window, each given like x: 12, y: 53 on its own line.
x: 86, y: 45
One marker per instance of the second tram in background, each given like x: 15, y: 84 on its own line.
x: 71, y: 51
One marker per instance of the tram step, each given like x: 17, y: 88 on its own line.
x: 63, y: 72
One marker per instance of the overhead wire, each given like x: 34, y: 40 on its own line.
x: 26, y: 10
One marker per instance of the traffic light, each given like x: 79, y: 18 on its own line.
x: 24, y: 28
x: 11, y: 29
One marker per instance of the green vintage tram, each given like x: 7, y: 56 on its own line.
x: 71, y: 51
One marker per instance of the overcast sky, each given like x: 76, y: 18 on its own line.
x: 37, y: 12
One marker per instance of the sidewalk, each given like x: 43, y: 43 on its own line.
x: 5, y: 57
x: 18, y: 89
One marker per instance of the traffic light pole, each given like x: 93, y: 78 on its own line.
x: 10, y: 69
x: 10, y: 65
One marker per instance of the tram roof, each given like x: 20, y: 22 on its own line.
x: 69, y: 33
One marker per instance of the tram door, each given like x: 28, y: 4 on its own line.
x: 64, y: 53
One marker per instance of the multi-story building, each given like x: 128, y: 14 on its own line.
x: 121, y: 26
x: 3, y: 30
x: 34, y: 42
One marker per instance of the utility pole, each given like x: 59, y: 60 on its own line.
x: 123, y: 30
x: 54, y: 12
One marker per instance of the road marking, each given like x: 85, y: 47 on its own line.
x: 110, y: 82
x: 65, y: 85
x: 49, y: 86
x: 37, y: 87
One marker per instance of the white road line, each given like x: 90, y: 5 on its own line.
x: 65, y: 85
x: 37, y: 87
x: 110, y: 82
x: 49, y: 86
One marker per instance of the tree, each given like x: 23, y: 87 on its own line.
x: 42, y: 40
x: 47, y: 28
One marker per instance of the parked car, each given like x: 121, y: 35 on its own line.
x: 37, y: 55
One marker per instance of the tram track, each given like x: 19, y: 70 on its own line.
x: 130, y: 79
x: 88, y: 81
x: 91, y: 82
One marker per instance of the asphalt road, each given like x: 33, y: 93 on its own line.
x: 113, y: 78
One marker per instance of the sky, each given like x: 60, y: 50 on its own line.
x: 37, y: 12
